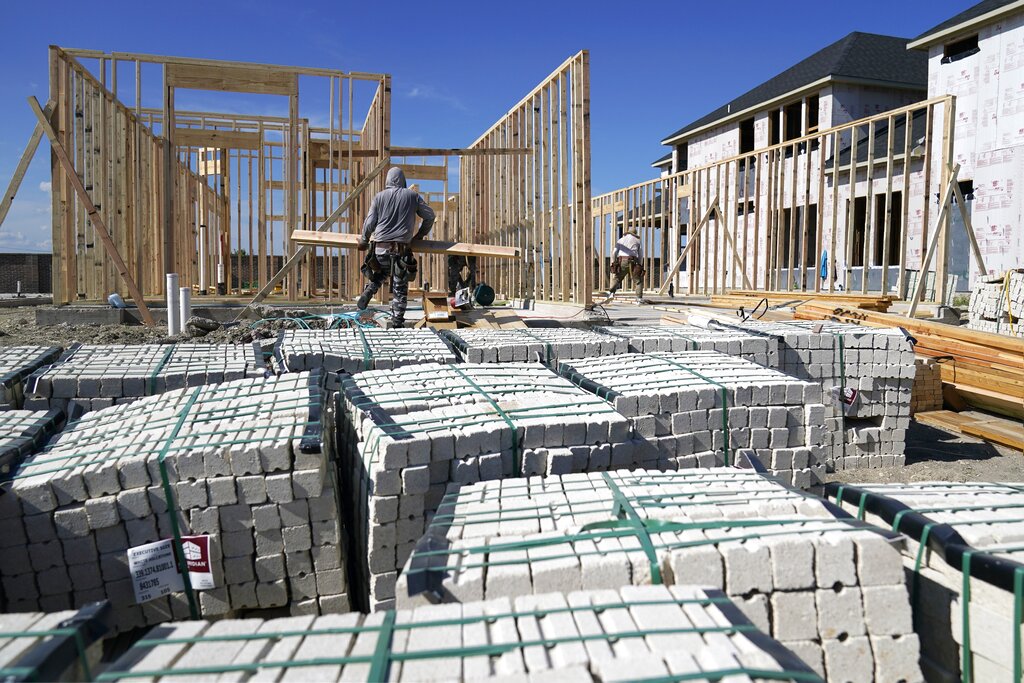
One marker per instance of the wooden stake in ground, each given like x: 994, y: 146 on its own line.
x: 92, y: 211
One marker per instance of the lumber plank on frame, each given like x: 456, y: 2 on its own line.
x: 230, y: 79
x: 94, y: 216
x: 22, y: 167
x: 220, y: 139
x: 423, y: 172
x: 350, y: 241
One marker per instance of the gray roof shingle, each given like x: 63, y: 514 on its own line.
x: 983, y: 7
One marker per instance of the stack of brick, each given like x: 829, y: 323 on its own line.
x: 967, y: 577
x: 866, y: 376
x: 635, y: 633
x: 24, y: 432
x: 16, y: 364
x: 696, y: 408
x: 533, y: 344
x: 814, y: 578
x: 357, y: 349
x: 243, y: 462
x: 407, y: 433
x: 93, y: 377
x: 674, y: 338
x: 926, y: 393
x: 996, y: 303
x: 63, y: 646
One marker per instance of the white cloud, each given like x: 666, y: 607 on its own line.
x: 429, y: 92
x: 45, y: 186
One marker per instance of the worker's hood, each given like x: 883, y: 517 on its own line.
x: 396, y: 178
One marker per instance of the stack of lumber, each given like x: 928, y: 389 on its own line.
x: 673, y: 338
x: 981, y: 425
x: 356, y: 349
x: 653, y: 633
x: 967, y: 592
x: 815, y: 579
x: 749, y: 298
x: 926, y: 395
x: 16, y: 364
x: 997, y: 304
x: 987, y: 370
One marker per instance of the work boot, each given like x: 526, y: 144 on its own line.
x: 364, y: 300
x: 395, y: 324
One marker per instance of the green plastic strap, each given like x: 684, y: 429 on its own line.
x: 367, y: 354
x: 381, y: 662
x: 624, y: 506
x: 694, y: 345
x: 172, y: 506
x: 516, y: 455
x: 151, y: 384
x: 966, y: 670
x: 1018, y: 616
x: 24, y: 671
x: 725, y: 403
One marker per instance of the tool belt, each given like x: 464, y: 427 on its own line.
x: 403, y: 263
x: 631, y: 265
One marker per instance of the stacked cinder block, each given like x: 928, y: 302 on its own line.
x: 64, y: 646
x: 532, y: 344
x: 696, y: 408
x: 673, y: 338
x: 407, y: 433
x: 817, y: 580
x: 357, y: 349
x: 630, y: 634
x: 24, y: 432
x: 926, y: 393
x: 241, y: 461
x: 93, y: 377
x: 967, y: 576
x: 997, y: 302
x: 866, y: 375
x: 16, y: 364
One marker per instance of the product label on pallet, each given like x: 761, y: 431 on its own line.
x: 155, y: 572
x: 844, y: 398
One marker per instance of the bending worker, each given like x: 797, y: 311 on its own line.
x: 389, y: 228
x: 627, y: 261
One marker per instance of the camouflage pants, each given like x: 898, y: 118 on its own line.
x: 399, y: 284
x: 634, y: 271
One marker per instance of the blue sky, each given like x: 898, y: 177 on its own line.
x: 456, y: 66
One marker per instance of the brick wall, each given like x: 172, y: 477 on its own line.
x: 33, y: 270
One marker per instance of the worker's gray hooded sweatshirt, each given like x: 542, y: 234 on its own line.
x: 392, y: 216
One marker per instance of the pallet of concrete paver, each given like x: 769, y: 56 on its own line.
x: 997, y: 304
x: 62, y: 646
x: 695, y: 408
x: 404, y: 434
x: 636, y: 633
x: 825, y: 585
x: 93, y: 377
x: 16, y: 364
x: 866, y: 375
x: 532, y: 344
x: 965, y: 554
x: 673, y: 338
x: 24, y: 432
x: 241, y: 462
x: 357, y: 349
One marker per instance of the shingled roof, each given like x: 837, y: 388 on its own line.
x: 857, y: 57
x: 663, y: 160
x: 977, y: 11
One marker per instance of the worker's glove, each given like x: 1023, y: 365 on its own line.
x: 363, y: 243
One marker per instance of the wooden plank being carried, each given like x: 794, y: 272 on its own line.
x: 350, y: 241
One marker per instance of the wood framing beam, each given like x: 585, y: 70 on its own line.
x: 94, y: 215
x: 691, y: 239
x: 231, y: 79
x: 961, y: 204
x: 350, y: 241
x: 23, y: 164
x: 300, y: 252
x: 938, y: 232
x: 220, y: 139
x: 320, y: 151
x: 423, y: 172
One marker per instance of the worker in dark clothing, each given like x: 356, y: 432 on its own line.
x: 390, y: 227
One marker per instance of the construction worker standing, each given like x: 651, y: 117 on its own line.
x: 627, y: 261
x: 389, y: 228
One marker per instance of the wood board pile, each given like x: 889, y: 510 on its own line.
x: 24, y: 432
x: 821, y: 583
x: 240, y: 461
x: 531, y: 344
x: 696, y: 408
x: 16, y: 364
x: 356, y: 349
x: 965, y: 555
x: 60, y: 646
x: 749, y: 299
x: 926, y: 394
x: 997, y: 304
x: 673, y: 338
x: 987, y: 370
x: 405, y: 434
x: 99, y: 376
x: 635, y: 633
x: 866, y: 376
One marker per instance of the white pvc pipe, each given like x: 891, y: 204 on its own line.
x: 184, y: 305
x: 203, y: 247
x: 173, y: 319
